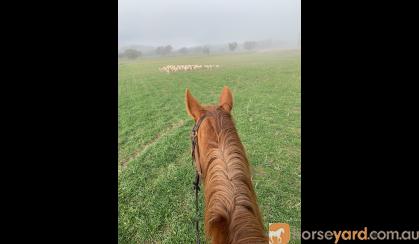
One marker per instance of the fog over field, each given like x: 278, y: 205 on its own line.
x: 188, y: 23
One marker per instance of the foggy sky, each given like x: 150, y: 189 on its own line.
x: 200, y: 22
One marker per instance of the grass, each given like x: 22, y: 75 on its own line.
x: 156, y: 199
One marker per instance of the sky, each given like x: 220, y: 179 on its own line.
x: 201, y: 22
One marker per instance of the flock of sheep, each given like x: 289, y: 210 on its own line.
x: 187, y: 67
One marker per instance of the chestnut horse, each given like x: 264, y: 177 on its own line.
x: 231, y: 211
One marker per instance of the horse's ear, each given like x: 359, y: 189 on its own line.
x: 226, y: 99
x: 192, y: 105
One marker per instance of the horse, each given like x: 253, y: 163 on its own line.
x: 231, y: 213
x: 276, y: 235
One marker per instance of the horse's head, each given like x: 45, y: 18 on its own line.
x: 208, y: 122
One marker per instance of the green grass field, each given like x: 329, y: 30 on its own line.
x: 156, y: 198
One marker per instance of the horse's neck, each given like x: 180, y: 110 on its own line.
x: 229, y: 186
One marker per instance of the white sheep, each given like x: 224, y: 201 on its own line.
x: 186, y: 67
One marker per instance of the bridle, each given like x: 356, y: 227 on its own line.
x: 194, y: 141
x: 194, y: 135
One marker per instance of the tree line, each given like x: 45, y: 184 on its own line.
x: 168, y: 49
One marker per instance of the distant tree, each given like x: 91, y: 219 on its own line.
x: 164, y: 50
x: 167, y: 49
x: 159, y: 50
x: 206, y: 50
x: 132, y: 53
x: 183, y: 50
x: 249, y: 45
x: 232, y: 46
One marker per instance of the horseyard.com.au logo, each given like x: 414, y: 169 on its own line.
x: 279, y: 233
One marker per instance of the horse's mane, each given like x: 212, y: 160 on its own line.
x: 232, y: 214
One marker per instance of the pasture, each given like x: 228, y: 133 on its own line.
x: 155, y: 171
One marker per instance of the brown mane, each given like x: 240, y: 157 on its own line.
x: 231, y: 211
